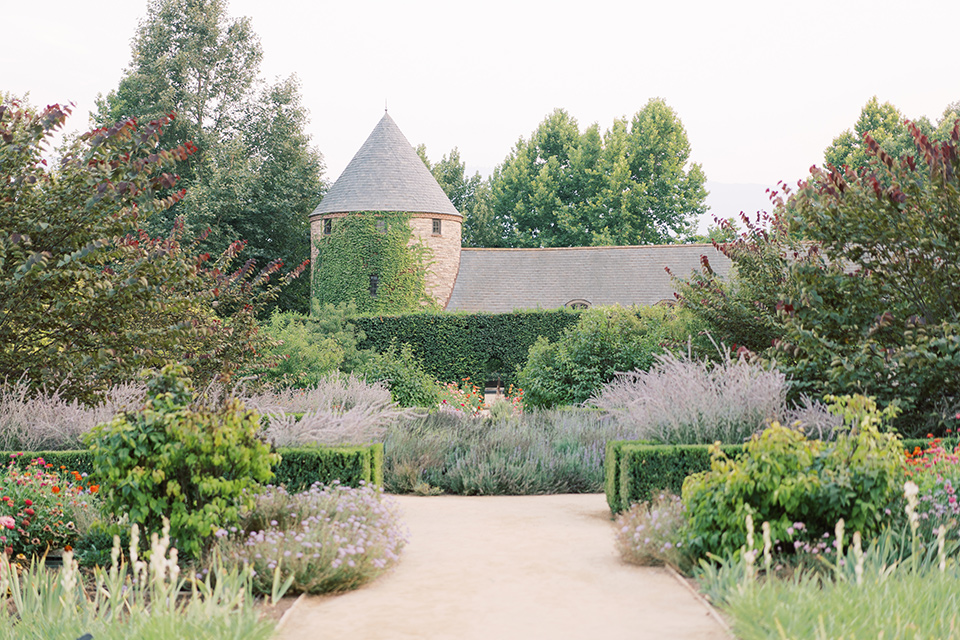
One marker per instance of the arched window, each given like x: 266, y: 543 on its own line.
x: 578, y: 304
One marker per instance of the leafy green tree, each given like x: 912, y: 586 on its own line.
x: 886, y: 126
x: 649, y: 196
x: 255, y: 177
x: 87, y: 298
x: 879, y: 313
x: 191, y: 59
x: 261, y: 186
x: 629, y: 186
x: 534, y: 183
x: 867, y: 303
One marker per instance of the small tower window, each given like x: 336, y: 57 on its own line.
x: 374, y: 282
x: 436, y: 226
x: 327, y: 227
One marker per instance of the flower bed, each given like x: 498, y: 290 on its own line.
x: 854, y: 537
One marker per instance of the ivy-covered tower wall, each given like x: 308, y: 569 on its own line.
x: 385, y: 235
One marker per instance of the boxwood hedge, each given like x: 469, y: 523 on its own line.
x: 298, y: 468
x: 635, y: 470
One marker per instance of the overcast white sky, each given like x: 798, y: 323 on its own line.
x: 761, y: 86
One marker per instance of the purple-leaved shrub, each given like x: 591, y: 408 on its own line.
x: 686, y: 401
x: 328, y: 539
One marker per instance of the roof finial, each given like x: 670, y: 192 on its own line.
x: 384, y: 105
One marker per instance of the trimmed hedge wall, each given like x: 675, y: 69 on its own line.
x: 635, y: 470
x: 454, y: 346
x: 298, y: 468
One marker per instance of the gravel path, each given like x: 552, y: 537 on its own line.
x: 504, y: 567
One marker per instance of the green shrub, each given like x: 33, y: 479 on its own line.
x: 94, y: 547
x: 402, y: 372
x: 350, y: 466
x: 782, y: 478
x: 636, y: 470
x: 190, y: 464
x: 479, y: 346
x: 310, y: 348
x: 297, y: 467
x: 606, y: 340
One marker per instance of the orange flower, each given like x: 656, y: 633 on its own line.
x: 94, y: 488
x: 56, y: 489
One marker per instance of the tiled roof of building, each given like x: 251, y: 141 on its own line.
x: 386, y: 174
x: 503, y: 280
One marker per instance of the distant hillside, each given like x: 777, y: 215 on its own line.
x: 728, y: 200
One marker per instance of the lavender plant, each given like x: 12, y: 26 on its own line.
x: 326, y: 539
x: 685, y: 401
x: 47, y: 420
x: 338, y: 410
x: 650, y: 533
x: 538, y: 452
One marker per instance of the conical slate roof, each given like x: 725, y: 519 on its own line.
x: 386, y: 174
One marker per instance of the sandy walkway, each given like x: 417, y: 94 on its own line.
x: 508, y: 567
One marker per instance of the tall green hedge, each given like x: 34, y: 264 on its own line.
x: 635, y: 470
x: 298, y: 468
x: 460, y: 345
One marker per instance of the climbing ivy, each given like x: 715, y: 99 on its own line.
x: 369, y: 259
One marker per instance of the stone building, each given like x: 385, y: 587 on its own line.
x: 386, y: 174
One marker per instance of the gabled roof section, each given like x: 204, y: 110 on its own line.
x: 386, y: 174
x: 504, y: 280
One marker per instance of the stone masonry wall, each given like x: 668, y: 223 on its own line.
x: 445, y: 250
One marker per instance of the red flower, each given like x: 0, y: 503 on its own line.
x: 28, y: 502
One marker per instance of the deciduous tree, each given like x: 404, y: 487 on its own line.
x: 87, y: 297
x: 255, y: 176
x: 631, y: 185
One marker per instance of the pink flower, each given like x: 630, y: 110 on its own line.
x: 7, y: 521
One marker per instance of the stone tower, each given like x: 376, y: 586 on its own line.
x: 386, y: 174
